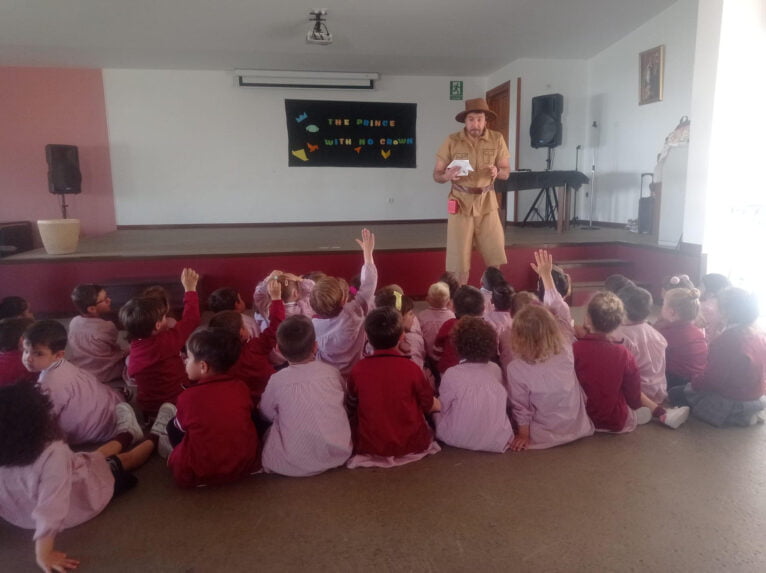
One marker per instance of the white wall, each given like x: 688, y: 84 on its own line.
x: 540, y: 77
x: 191, y: 147
x: 630, y: 136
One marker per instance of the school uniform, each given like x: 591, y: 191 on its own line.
x: 83, y: 406
x: 391, y: 396
x: 262, y: 299
x: 59, y: 490
x: 444, y: 349
x: 610, y: 378
x: 502, y: 322
x: 341, y: 339
x: 253, y: 366
x: 546, y: 396
x: 730, y: 390
x: 220, y: 443
x: 155, y: 363
x: 648, y: 347
x: 431, y: 320
x: 92, y: 345
x: 310, y: 432
x: 473, y: 408
x: 686, y: 353
x: 12, y: 369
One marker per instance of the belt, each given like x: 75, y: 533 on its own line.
x: 473, y: 190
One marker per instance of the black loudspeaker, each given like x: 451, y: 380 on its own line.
x: 545, y: 130
x: 63, y: 169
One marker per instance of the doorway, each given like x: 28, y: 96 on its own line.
x: 499, y: 101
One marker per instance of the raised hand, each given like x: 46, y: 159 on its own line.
x: 189, y: 279
x: 367, y: 242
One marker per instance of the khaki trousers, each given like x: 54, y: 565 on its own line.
x: 485, y: 230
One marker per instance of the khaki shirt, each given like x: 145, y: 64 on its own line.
x: 488, y: 150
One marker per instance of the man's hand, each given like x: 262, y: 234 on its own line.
x: 493, y: 171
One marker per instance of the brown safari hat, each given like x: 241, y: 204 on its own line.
x: 472, y: 105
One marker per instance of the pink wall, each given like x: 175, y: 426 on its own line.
x: 40, y: 106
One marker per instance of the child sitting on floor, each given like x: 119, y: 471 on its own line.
x: 686, y: 353
x: 227, y: 298
x: 93, y: 341
x: 253, y: 366
x: 491, y: 279
x: 339, y: 325
x: 86, y: 410
x: 43, y: 484
x: 607, y: 371
x: 547, y: 401
x: 159, y: 292
x: 295, y: 294
x: 15, y: 307
x: 437, y: 313
x: 500, y: 318
x: 388, y: 398
x: 472, y: 396
x: 468, y: 301
x: 709, y: 318
x: 11, y: 366
x: 310, y: 432
x: 211, y: 431
x: 647, y: 346
x: 731, y: 388
x: 644, y: 341
x: 155, y: 363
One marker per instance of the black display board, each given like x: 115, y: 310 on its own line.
x: 350, y: 133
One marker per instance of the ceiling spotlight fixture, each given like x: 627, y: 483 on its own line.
x: 318, y: 33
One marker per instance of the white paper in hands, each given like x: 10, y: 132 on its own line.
x: 464, y: 164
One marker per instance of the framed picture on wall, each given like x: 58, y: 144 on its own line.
x: 651, y: 70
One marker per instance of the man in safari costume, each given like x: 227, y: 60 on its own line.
x: 472, y: 204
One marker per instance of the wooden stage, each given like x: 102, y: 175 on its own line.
x: 410, y: 254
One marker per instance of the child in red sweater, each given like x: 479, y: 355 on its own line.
x: 686, y: 353
x: 388, y: 398
x: 253, y: 366
x: 211, y: 432
x: 12, y: 369
x: 468, y: 301
x: 155, y: 363
x: 731, y: 388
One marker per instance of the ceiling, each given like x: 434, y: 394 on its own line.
x: 399, y: 37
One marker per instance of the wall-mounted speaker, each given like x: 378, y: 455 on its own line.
x: 545, y: 129
x: 63, y: 169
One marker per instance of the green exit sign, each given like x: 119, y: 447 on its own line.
x: 456, y: 89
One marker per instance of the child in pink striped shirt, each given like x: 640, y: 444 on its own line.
x: 43, y: 484
x: 310, y: 432
x: 473, y: 398
x: 339, y: 324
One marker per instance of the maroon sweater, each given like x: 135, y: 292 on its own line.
x: 155, y: 362
x: 391, y: 396
x: 253, y: 366
x: 736, y: 365
x: 610, y: 378
x: 220, y: 444
x: 12, y: 369
x: 686, y: 353
x: 448, y: 356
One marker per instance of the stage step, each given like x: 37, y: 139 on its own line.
x: 593, y: 270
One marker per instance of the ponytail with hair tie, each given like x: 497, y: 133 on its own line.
x: 398, y: 298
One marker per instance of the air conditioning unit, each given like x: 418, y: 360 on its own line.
x: 296, y: 79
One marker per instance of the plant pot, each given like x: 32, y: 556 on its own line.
x: 60, y: 236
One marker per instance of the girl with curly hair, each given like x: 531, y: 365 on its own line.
x: 47, y: 487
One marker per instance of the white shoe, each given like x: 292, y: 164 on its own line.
x: 160, y: 428
x: 674, y: 417
x: 643, y: 415
x: 127, y: 422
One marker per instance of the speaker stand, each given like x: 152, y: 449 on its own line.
x: 551, y: 201
x: 63, y: 205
